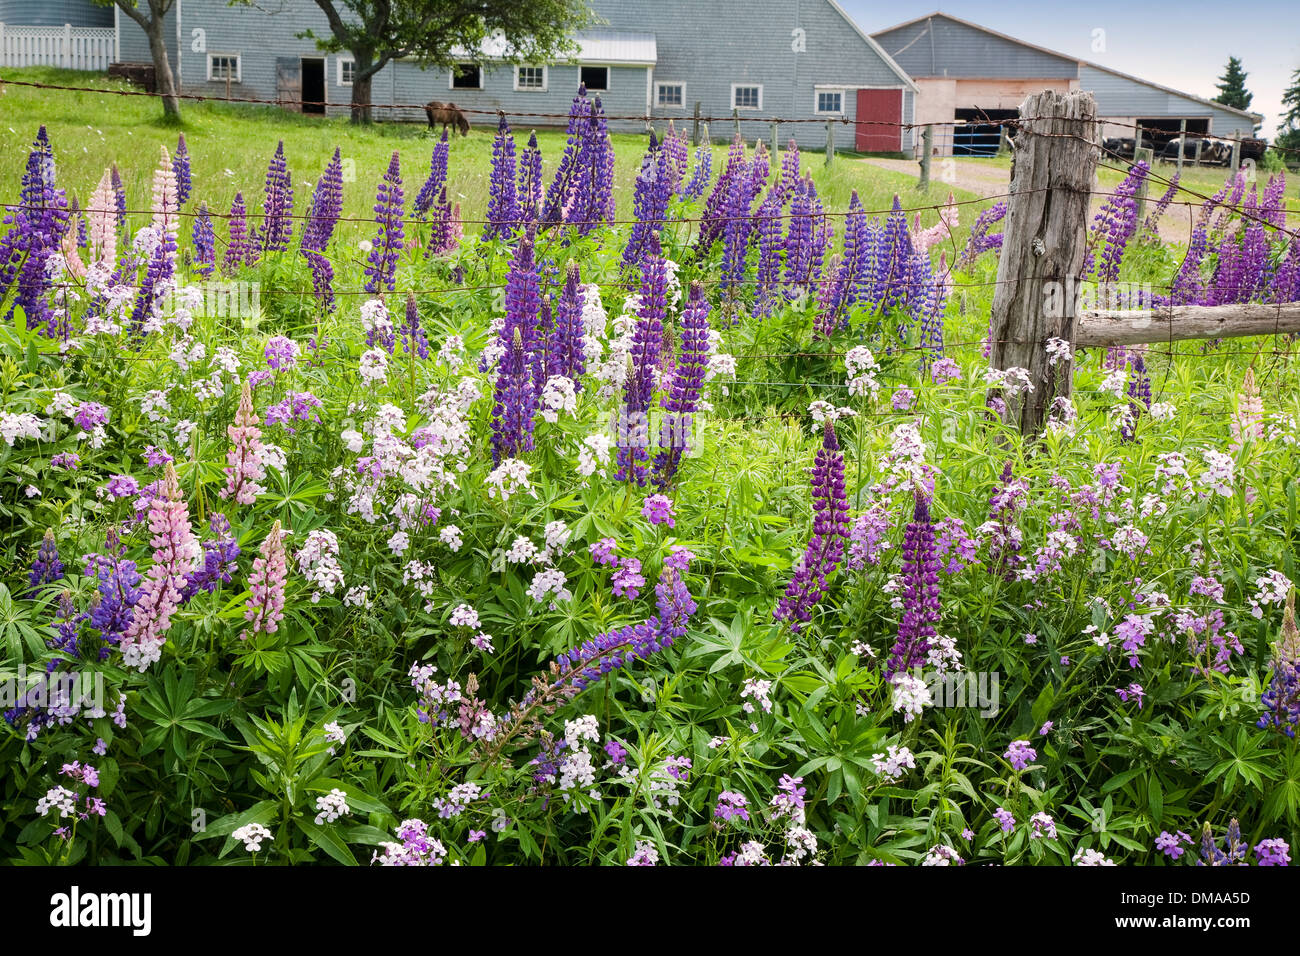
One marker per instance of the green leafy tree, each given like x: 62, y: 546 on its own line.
x: 1288, y: 133
x: 149, y: 16
x: 376, y: 32
x: 1232, y: 86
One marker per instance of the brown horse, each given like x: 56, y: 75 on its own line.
x: 444, y: 115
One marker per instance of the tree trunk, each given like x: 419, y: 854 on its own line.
x: 163, y: 77
x: 362, y: 83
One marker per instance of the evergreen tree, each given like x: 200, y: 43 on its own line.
x: 1288, y: 133
x: 1232, y: 86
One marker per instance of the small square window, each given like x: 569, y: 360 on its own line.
x: 830, y: 101
x: 347, y: 72
x: 466, y: 76
x: 530, y: 78
x: 747, y: 97
x: 671, y: 95
x: 595, y: 77
x: 223, y: 66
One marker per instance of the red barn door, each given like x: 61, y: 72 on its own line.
x: 882, y: 108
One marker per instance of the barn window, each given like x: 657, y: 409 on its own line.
x: 347, y: 71
x: 595, y: 77
x: 466, y: 76
x: 745, y: 97
x: 671, y: 95
x: 830, y: 101
x: 530, y: 78
x: 223, y: 66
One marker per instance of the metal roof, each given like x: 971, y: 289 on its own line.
x: 1256, y: 117
x: 593, y: 46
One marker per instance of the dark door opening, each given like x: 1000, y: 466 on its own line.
x: 313, y: 85
x: 978, y: 132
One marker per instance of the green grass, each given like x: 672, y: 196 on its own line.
x: 230, y: 146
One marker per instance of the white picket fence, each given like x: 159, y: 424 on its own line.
x: 73, y: 48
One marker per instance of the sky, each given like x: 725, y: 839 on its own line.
x: 1184, y: 45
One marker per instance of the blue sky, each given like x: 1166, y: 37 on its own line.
x: 1184, y: 45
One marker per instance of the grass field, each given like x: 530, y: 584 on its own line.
x: 230, y: 146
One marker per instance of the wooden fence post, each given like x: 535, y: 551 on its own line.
x: 1236, y: 150
x: 830, y: 142
x: 776, y: 141
x: 1182, y: 143
x: 1143, y: 154
x: 1043, y: 249
x: 695, y: 135
x: 927, y: 147
x: 735, y: 116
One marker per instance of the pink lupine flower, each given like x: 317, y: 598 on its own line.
x: 176, y: 553
x: 265, y: 608
x: 244, y: 468
x: 165, y: 205
x: 101, y: 219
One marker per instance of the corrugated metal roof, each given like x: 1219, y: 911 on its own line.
x: 594, y: 46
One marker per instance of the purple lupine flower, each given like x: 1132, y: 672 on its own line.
x: 239, y: 250
x: 181, y: 166
x: 1139, y: 396
x: 1153, y: 219
x: 1281, y: 700
x: 737, y: 228
x: 647, y: 343
x: 678, y: 155
x: 931, y: 319
x: 568, y: 179
x: 437, y: 179
x: 830, y: 533
x: 649, y: 203
x: 205, y: 243
x: 277, y: 206
x: 1115, y: 224
x: 920, y: 593
x: 381, y: 264
x: 702, y: 173
x: 578, y: 668
x: 46, y: 567
x: 119, y: 198
x: 413, y: 337
x: 74, y: 211
x: 220, y: 555
x: 530, y: 180
x: 517, y: 391
x: 683, y: 397
x: 789, y: 180
x: 767, y: 289
x: 592, y: 199
x: 325, y: 210
x: 799, y: 250
x: 564, y: 348
x: 713, y: 221
x: 503, y: 202
x: 980, y: 239
x: 37, y: 228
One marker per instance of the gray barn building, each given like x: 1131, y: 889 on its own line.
x: 966, y: 73
x: 651, y: 60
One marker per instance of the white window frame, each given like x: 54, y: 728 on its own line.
x: 546, y: 78
x: 239, y: 67
x: 451, y: 77
x: 609, y: 74
x: 338, y: 70
x: 817, y: 95
x: 746, y: 86
x: 659, y: 84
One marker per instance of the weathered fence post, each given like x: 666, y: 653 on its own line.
x: 735, y: 116
x: 1236, y: 150
x: 776, y: 140
x: 927, y: 147
x: 1142, y: 154
x: 830, y: 142
x: 695, y: 134
x: 1043, y: 249
x: 1182, y: 142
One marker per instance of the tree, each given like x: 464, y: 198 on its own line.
x: 152, y: 25
x: 1288, y: 133
x: 1232, y: 86
x: 376, y: 32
